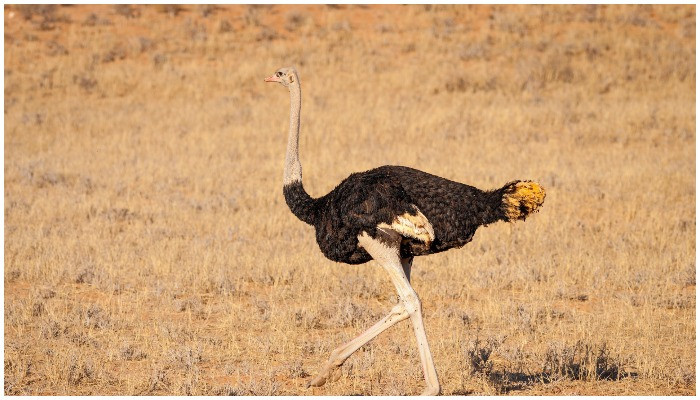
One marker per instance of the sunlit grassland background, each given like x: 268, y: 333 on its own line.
x: 148, y: 248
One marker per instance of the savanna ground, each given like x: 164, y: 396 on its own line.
x: 148, y: 248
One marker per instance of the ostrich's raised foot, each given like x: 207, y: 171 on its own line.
x: 330, y: 372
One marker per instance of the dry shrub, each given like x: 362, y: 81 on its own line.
x: 295, y: 20
x: 584, y: 361
x: 479, y: 354
x: 79, y: 371
x: 95, y: 317
x: 185, y: 357
x: 307, y: 320
x: 171, y: 9
x: 130, y: 352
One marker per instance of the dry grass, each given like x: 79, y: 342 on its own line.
x: 148, y: 249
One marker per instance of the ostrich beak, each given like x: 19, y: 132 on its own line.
x: 272, y: 79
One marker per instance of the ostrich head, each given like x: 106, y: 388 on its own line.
x: 286, y: 76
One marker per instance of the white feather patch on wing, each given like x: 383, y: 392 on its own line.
x: 412, y: 226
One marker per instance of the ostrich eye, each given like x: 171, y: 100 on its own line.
x: 279, y: 74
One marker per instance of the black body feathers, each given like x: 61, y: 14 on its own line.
x: 367, y: 199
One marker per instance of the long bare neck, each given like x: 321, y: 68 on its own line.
x: 300, y: 203
x: 292, y: 165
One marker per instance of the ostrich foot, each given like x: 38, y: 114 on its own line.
x: 330, y: 372
x: 431, y: 391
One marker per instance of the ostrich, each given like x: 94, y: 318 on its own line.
x: 392, y: 214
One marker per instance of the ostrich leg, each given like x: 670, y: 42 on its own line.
x: 407, y: 263
x: 387, y: 255
x: 343, y: 352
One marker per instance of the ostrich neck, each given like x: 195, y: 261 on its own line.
x: 292, y: 166
x: 300, y: 203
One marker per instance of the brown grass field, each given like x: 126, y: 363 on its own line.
x: 149, y: 250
